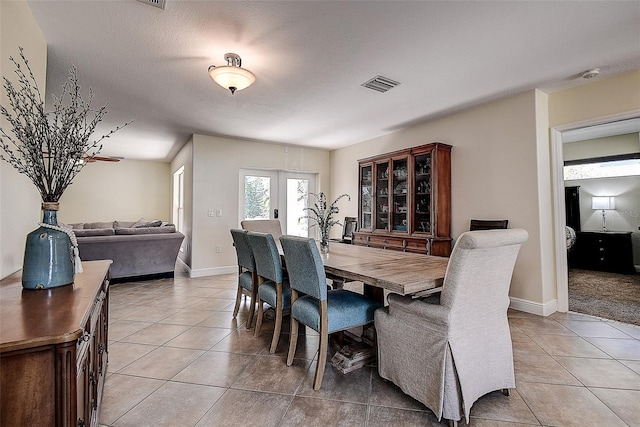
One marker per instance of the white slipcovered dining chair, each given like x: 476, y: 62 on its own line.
x: 447, y: 355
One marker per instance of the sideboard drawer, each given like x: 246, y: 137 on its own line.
x: 386, y: 242
x: 603, y: 251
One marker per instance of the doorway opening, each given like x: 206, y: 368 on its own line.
x: 597, y: 128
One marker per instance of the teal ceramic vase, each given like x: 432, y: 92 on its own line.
x: 48, y: 254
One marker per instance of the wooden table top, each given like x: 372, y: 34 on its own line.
x: 48, y: 316
x: 400, y: 272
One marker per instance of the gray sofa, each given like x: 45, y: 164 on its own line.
x: 139, y: 248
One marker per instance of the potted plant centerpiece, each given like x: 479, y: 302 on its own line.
x: 50, y: 148
x: 324, y: 217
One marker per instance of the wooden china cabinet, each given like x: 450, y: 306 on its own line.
x: 405, y: 200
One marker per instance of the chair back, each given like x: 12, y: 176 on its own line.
x: 243, y: 249
x: 488, y: 224
x: 270, y: 226
x: 479, y: 273
x: 304, y: 266
x: 350, y: 225
x: 266, y: 254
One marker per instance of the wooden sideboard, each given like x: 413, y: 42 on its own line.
x: 609, y: 251
x: 404, y: 200
x: 53, y: 350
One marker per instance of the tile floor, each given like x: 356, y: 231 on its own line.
x: 177, y: 358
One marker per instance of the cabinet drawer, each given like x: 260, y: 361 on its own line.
x: 386, y: 241
x: 417, y: 245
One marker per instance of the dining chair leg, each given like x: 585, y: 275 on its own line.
x: 322, y: 360
x: 252, y: 307
x: 259, y: 318
x: 293, y: 341
x: 238, y: 298
x: 278, y: 325
x: 324, y: 343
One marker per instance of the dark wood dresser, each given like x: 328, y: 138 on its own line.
x: 53, y: 350
x: 609, y: 251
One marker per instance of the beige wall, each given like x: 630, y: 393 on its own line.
x: 19, y: 199
x: 127, y: 190
x: 601, y: 98
x: 600, y: 147
x: 216, y: 165
x: 494, y: 173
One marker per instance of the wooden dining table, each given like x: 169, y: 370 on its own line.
x: 404, y: 273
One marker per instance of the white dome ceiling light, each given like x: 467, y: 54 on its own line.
x: 589, y: 74
x: 232, y: 76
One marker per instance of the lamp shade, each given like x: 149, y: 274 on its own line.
x: 232, y: 77
x: 602, y: 202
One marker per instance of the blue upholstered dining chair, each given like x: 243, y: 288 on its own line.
x: 312, y: 305
x: 247, y: 276
x: 273, y: 285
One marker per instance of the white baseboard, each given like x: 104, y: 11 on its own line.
x: 534, y: 307
x: 217, y: 271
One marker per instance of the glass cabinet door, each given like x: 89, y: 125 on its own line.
x: 422, y: 194
x: 400, y: 188
x: 382, y: 196
x: 366, y: 197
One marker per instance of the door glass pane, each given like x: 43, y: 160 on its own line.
x: 400, y: 184
x: 297, y: 200
x: 422, y: 216
x: 256, y: 197
x: 366, y: 196
x: 382, y: 196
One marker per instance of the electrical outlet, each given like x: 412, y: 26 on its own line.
x: 210, y: 212
x: 218, y: 249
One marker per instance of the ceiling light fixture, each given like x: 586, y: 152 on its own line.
x: 589, y: 74
x: 232, y: 76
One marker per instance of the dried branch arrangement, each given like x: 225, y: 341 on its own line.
x: 49, y: 147
x: 323, y: 216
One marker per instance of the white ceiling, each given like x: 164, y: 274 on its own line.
x: 311, y: 57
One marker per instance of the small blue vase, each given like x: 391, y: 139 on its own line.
x: 48, y: 256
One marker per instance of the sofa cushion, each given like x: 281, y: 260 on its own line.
x: 94, y: 225
x: 123, y: 224
x: 146, y: 230
x: 142, y: 223
x: 94, y: 232
x: 76, y: 226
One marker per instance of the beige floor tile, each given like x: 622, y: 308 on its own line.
x: 354, y: 386
x: 225, y: 293
x: 246, y: 408
x: 119, y: 329
x: 156, y: 334
x: 162, y: 363
x: 386, y: 393
x: 384, y: 416
x: 187, y: 316
x: 243, y: 341
x: 215, y: 368
x: 213, y: 304
x: 541, y: 368
x: 625, y: 403
x: 567, y: 406
x: 173, y: 404
x: 594, y: 329
x: 573, y: 316
x: 122, y: 393
x: 617, y: 348
x: 524, y: 343
x: 632, y: 364
x: 271, y: 374
x: 220, y: 319
x: 304, y: 412
x: 539, y: 325
x: 480, y: 422
x: 568, y: 346
x: 607, y: 373
x: 496, y: 406
x: 121, y: 354
x: 199, y: 337
x: 144, y: 313
x: 632, y: 330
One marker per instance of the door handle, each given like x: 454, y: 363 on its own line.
x: 275, y: 213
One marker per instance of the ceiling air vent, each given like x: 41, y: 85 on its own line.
x: 380, y: 83
x: 157, y: 3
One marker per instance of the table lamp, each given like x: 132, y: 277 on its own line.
x: 603, y: 203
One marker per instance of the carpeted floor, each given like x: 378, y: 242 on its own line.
x: 608, y: 295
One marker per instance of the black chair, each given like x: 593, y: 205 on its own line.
x: 488, y: 224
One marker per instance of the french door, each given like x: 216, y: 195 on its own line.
x: 282, y: 195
